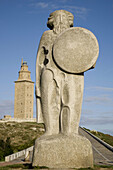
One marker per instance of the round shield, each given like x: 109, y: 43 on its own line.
x: 75, y: 50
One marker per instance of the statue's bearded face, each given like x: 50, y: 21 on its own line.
x: 60, y: 23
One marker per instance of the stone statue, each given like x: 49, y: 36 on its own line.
x: 64, y: 54
x: 59, y: 93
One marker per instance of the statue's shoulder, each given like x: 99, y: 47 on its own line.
x: 46, y: 37
x: 47, y: 34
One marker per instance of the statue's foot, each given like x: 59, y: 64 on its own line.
x: 71, y: 134
x: 46, y: 135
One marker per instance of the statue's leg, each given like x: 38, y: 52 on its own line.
x: 50, y: 101
x: 72, y: 94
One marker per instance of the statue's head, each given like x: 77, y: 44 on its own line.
x: 60, y: 20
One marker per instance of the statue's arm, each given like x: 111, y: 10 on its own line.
x: 40, y: 64
x: 38, y: 73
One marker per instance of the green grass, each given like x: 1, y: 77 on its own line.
x: 29, y: 166
x: 22, y: 166
x: 21, y: 135
x: 103, y: 166
x: 16, y: 166
x: 105, y: 137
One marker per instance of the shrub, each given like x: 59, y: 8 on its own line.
x: 5, y: 148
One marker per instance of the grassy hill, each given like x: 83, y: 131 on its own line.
x: 105, y: 137
x: 15, y: 137
x: 18, y: 136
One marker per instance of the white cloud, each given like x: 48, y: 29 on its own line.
x: 90, y: 121
x: 78, y: 11
x: 99, y: 99
x: 100, y: 122
x: 98, y: 109
x: 54, y: 6
x: 42, y: 4
x: 6, y: 107
x: 39, y: 4
x: 108, y: 131
x: 99, y: 95
x: 109, y: 89
x: 87, y: 111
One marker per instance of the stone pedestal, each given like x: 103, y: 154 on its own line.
x: 63, y: 152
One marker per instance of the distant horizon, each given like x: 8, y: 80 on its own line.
x: 42, y: 123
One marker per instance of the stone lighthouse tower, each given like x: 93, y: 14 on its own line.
x: 24, y: 94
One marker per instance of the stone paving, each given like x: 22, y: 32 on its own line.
x: 102, y: 155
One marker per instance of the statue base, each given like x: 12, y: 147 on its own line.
x: 61, y: 151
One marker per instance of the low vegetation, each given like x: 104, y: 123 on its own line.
x: 105, y: 137
x: 29, y: 166
x: 15, y: 137
x: 5, y: 148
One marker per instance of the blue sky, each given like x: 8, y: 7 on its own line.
x: 22, y: 23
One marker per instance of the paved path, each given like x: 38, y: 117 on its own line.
x: 101, y: 154
x: 17, y: 161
